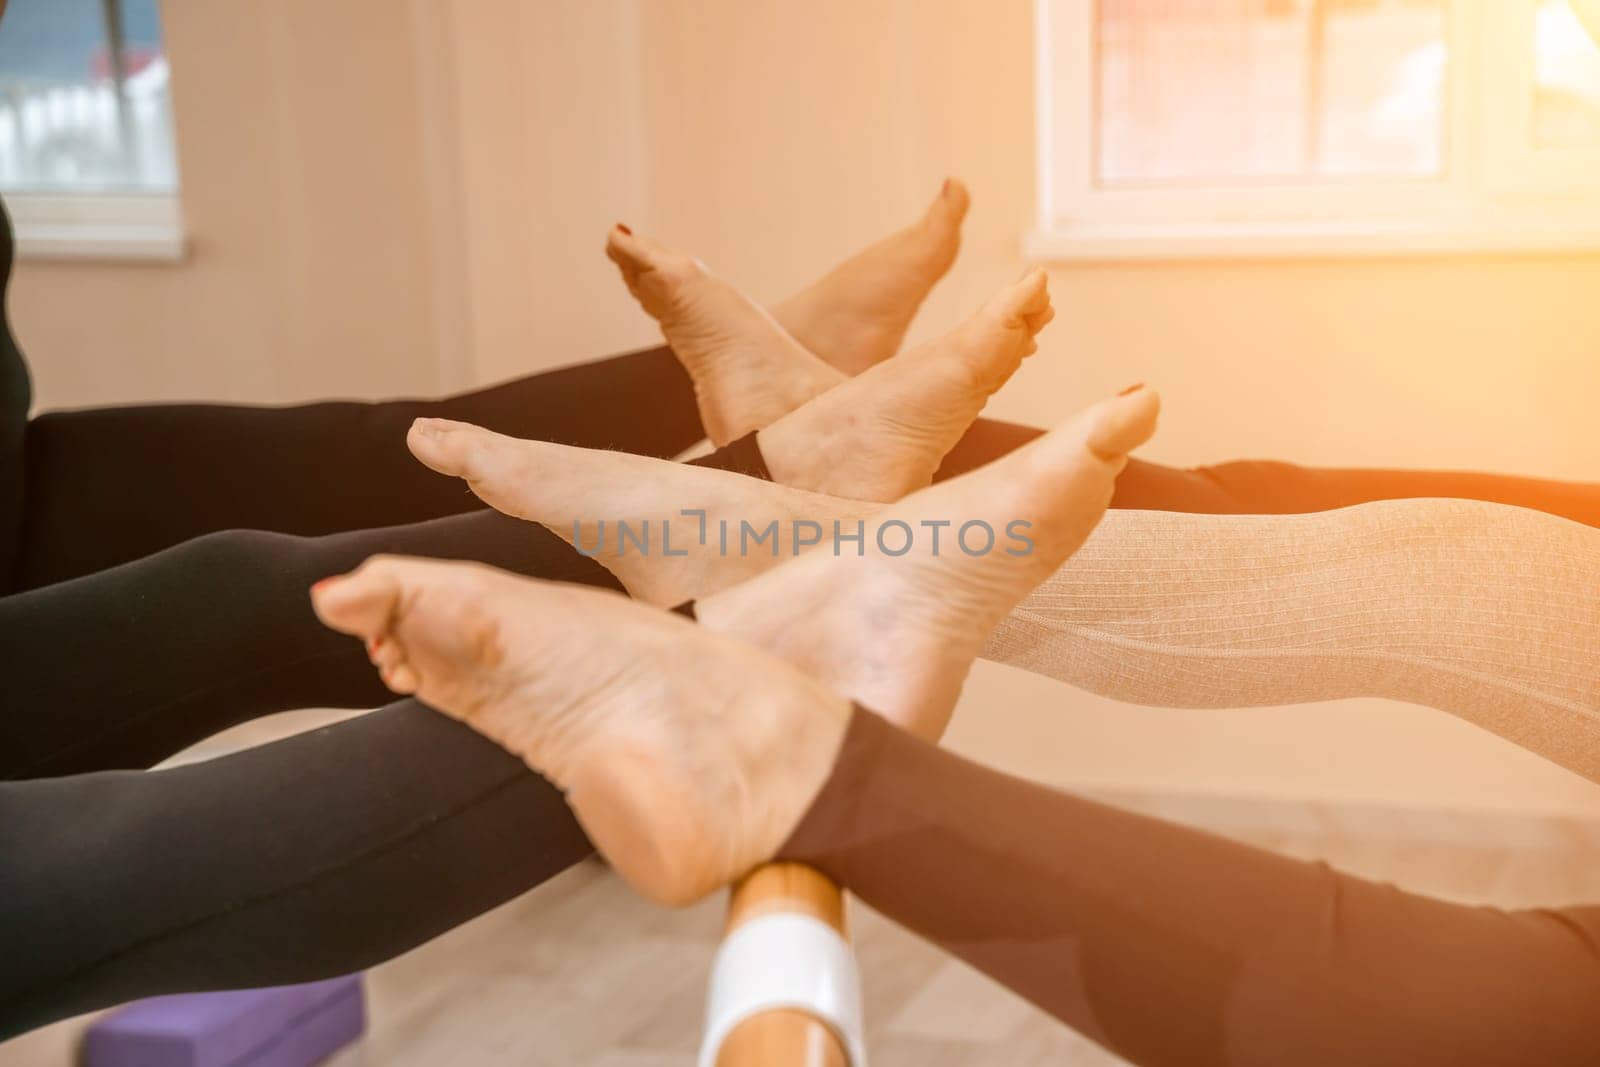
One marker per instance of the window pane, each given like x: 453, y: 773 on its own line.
x: 66, y: 122
x: 1566, y: 100
x: 1240, y: 89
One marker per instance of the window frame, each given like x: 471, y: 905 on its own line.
x: 1516, y: 165
x: 1495, y: 192
x: 112, y: 224
x: 137, y: 226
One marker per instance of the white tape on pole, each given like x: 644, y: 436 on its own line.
x: 789, y: 961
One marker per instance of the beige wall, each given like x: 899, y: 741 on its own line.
x: 385, y: 194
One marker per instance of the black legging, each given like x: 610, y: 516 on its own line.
x: 107, y: 486
x: 1176, y: 948
x: 311, y: 857
x: 129, y: 884
x: 122, y: 668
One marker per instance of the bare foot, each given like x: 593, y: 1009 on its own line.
x: 874, y: 438
x: 857, y: 314
x: 747, y: 370
x: 882, y: 434
x: 687, y: 756
x: 657, y: 525
x: 897, y: 623
x: 936, y: 602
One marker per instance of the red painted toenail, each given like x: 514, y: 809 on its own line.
x: 1130, y: 390
x: 624, y: 228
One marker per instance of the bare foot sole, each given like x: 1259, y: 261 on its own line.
x: 687, y: 756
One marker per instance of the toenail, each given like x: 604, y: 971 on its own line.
x: 432, y: 427
x: 1130, y: 390
x: 624, y: 228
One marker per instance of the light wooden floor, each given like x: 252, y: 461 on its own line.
x: 581, y: 972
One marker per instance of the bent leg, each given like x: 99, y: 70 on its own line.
x: 1170, y: 946
x: 309, y: 858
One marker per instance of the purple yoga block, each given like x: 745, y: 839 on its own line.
x: 289, y: 1026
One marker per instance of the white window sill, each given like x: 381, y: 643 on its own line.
x: 121, y: 228
x: 1336, y: 238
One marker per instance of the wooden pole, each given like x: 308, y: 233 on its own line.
x: 784, y: 1038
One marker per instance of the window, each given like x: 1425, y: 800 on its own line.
x: 1268, y: 127
x: 87, y: 164
x: 1566, y: 79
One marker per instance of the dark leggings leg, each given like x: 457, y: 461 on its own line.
x: 309, y: 858
x: 16, y: 397
x: 111, y: 485
x: 219, y: 630
x: 1174, y: 947
x: 122, y: 668
x: 1266, y: 487
x: 312, y: 857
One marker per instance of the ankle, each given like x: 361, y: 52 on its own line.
x: 676, y: 837
x: 795, y: 453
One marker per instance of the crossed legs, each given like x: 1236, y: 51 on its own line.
x: 691, y: 752
x: 243, y: 913
x: 111, y: 485
x: 188, y: 662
